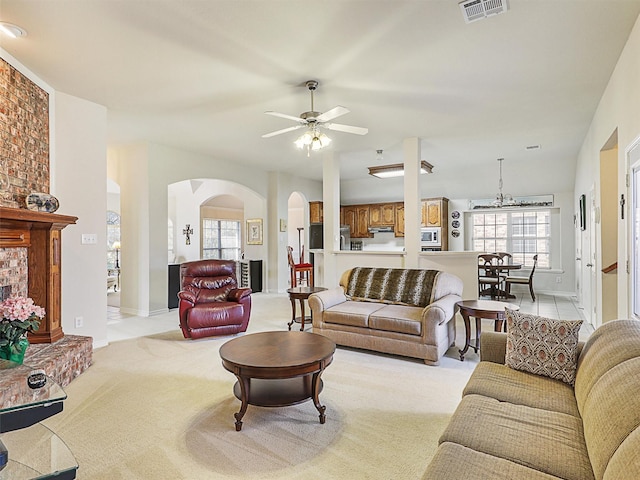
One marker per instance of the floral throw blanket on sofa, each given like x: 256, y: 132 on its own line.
x: 392, y: 285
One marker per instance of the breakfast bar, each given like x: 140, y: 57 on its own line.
x: 462, y: 264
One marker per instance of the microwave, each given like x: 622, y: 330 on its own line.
x: 430, y: 237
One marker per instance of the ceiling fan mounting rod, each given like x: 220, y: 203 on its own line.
x: 312, y: 85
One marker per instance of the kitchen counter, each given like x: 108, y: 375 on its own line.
x: 462, y: 264
x: 370, y: 252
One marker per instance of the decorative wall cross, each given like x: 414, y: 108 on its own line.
x: 188, y: 231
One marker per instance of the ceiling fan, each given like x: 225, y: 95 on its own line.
x: 313, y: 139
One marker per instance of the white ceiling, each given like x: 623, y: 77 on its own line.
x: 198, y: 75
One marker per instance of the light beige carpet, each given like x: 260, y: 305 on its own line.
x: 161, y: 407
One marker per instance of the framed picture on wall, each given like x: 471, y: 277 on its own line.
x: 583, y: 212
x: 254, y: 231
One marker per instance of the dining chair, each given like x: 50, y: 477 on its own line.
x: 523, y: 280
x: 298, y: 270
x: 505, y: 257
x: 489, y: 275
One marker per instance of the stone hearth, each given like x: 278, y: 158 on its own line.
x: 63, y: 360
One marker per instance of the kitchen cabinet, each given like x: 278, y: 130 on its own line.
x: 435, y: 212
x: 382, y: 214
x: 357, y: 217
x: 399, y: 220
x: 348, y: 217
x: 316, y: 214
x: 362, y: 222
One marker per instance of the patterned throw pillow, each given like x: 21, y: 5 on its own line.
x: 542, y: 346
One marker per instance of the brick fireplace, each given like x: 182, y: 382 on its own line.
x: 30, y: 242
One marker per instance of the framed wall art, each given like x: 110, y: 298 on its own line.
x: 254, y: 231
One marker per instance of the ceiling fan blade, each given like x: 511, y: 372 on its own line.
x: 284, y: 130
x: 329, y: 115
x: 284, y: 115
x: 347, y: 128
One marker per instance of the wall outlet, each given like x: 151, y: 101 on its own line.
x: 89, y: 238
x: 558, y: 279
x: 79, y: 322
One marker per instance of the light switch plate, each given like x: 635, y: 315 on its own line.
x: 89, y: 238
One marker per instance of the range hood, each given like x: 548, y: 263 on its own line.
x: 381, y: 229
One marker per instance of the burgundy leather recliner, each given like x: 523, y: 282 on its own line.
x: 210, y: 301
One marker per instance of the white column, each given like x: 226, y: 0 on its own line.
x: 412, y: 201
x: 331, y: 212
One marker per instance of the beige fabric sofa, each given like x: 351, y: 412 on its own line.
x: 512, y: 424
x: 412, y: 319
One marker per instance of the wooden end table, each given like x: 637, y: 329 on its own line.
x: 277, y: 369
x: 302, y: 294
x: 480, y: 309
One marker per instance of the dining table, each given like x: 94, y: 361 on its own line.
x: 497, y: 270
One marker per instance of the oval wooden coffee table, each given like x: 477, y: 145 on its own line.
x: 277, y: 369
x: 480, y: 309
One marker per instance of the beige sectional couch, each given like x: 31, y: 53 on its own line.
x: 398, y: 311
x: 516, y: 425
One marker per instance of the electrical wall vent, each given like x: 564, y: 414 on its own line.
x: 473, y: 10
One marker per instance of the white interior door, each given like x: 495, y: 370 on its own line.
x: 634, y: 162
x: 592, y: 265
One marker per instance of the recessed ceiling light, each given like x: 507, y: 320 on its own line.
x: 14, y: 31
x: 533, y: 147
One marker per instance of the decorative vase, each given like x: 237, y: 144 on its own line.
x: 15, y: 355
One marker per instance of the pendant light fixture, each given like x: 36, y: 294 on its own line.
x: 502, y: 200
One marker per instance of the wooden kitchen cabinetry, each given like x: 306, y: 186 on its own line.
x: 382, y: 214
x: 316, y: 214
x: 398, y: 227
x: 362, y: 222
x: 435, y: 212
x: 357, y: 217
x: 348, y: 217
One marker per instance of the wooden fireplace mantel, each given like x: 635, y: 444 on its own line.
x: 40, y: 234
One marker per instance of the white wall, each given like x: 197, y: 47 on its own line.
x: 618, y: 108
x: 150, y: 169
x: 80, y: 185
x: 77, y: 160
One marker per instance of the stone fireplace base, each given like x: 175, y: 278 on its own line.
x: 63, y: 360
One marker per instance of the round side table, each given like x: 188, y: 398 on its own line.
x: 302, y: 294
x: 480, y: 309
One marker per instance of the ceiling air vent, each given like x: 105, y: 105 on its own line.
x: 473, y: 10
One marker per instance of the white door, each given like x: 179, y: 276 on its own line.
x: 593, y: 264
x: 634, y: 162
x: 587, y: 259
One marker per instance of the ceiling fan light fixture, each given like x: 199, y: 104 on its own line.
x: 397, y: 169
x: 320, y: 141
x: 314, y: 122
x: 305, y: 139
